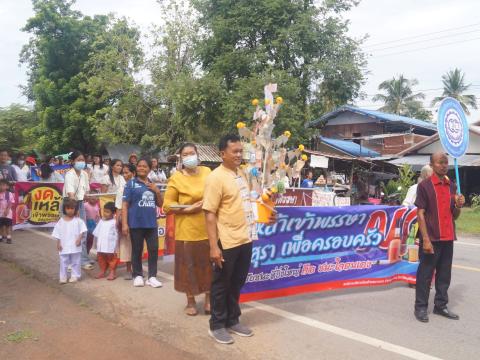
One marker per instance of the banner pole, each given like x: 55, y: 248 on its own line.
x: 457, y: 175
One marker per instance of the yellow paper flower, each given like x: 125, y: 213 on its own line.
x: 274, y: 189
x: 240, y: 125
x: 301, y: 147
x: 255, y: 102
x: 287, y: 133
x: 267, y: 101
x: 279, y: 100
x: 304, y: 157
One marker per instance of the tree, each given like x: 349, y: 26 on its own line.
x: 454, y: 86
x: 301, y: 45
x: 79, y: 68
x: 15, y: 122
x: 400, y: 99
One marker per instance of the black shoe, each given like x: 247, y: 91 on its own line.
x: 421, y: 315
x: 445, y: 313
x: 9, y: 241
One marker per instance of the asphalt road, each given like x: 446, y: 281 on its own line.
x: 362, y: 323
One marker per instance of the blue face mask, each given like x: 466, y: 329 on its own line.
x: 79, y: 165
x: 190, y: 162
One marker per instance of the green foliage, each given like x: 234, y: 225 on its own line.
x: 405, y: 180
x: 454, y: 86
x: 301, y: 45
x: 15, y: 123
x: 210, y: 59
x: 392, y: 187
x: 475, y: 201
x: 79, y: 68
x: 400, y: 99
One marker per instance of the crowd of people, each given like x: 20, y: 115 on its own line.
x: 213, y: 244
x: 214, y: 226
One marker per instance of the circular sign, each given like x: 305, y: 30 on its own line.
x: 453, y: 127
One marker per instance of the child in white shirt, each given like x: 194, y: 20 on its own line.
x: 69, y: 231
x: 106, y: 238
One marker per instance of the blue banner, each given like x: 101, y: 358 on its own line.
x: 59, y: 169
x: 322, y: 248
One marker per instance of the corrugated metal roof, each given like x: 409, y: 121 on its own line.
x: 208, y: 153
x: 418, y: 161
x: 375, y: 114
x: 349, y: 147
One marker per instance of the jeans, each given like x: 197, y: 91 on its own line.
x: 151, y: 237
x: 226, y: 285
x: 439, y: 262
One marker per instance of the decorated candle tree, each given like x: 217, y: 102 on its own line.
x: 267, y: 160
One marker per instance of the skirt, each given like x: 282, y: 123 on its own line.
x: 125, y: 248
x: 193, y: 270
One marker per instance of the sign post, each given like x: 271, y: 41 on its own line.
x: 453, y: 131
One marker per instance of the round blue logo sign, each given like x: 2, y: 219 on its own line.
x: 453, y: 127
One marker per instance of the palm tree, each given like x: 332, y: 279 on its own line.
x: 454, y: 86
x: 399, y: 98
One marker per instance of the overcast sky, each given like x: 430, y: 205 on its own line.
x: 444, y: 34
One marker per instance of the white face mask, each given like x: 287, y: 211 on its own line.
x: 190, y: 162
x: 20, y: 163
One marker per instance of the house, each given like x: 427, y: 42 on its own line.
x: 469, y: 165
x: 374, y: 131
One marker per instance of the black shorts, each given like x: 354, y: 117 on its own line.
x: 5, y: 222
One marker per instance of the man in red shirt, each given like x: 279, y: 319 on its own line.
x: 438, y: 208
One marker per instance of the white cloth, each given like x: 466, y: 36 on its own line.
x: 68, y: 232
x: 157, y: 177
x: 72, y: 260
x: 107, y: 236
x: 113, y: 188
x: 22, y: 173
x: 78, y: 185
x: 119, y: 197
x: 411, y: 196
x: 98, y: 173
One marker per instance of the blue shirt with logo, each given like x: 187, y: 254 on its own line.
x: 142, y: 207
x: 307, y: 183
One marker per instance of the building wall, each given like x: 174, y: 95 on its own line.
x: 473, y: 146
x: 346, y: 131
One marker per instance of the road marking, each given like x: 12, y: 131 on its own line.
x: 351, y: 335
x: 466, y: 243
x: 470, y: 268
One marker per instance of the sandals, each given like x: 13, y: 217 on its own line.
x: 191, y: 310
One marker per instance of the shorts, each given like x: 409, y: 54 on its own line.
x: 6, y: 222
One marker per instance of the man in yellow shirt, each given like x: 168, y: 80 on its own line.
x: 231, y: 227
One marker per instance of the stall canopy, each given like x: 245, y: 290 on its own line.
x: 418, y: 161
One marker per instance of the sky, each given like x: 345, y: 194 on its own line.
x: 437, y: 37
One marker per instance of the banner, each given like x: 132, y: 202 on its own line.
x: 59, y: 169
x: 323, y: 248
x: 36, y: 204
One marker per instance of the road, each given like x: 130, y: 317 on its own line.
x: 370, y: 323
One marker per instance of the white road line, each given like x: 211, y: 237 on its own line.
x: 470, y: 268
x: 466, y: 243
x: 351, y: 335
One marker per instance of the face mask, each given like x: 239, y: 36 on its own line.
x: 21, y: 162
x: 9, y: 162
x: 190, y: 162
x: 79, y: 165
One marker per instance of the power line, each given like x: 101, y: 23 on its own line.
x: 425, y: 48
x: 425, y: 40
x: 423, y: 35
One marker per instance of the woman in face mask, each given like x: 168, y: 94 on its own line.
x: 184, y: 198
x: 75, y: 187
